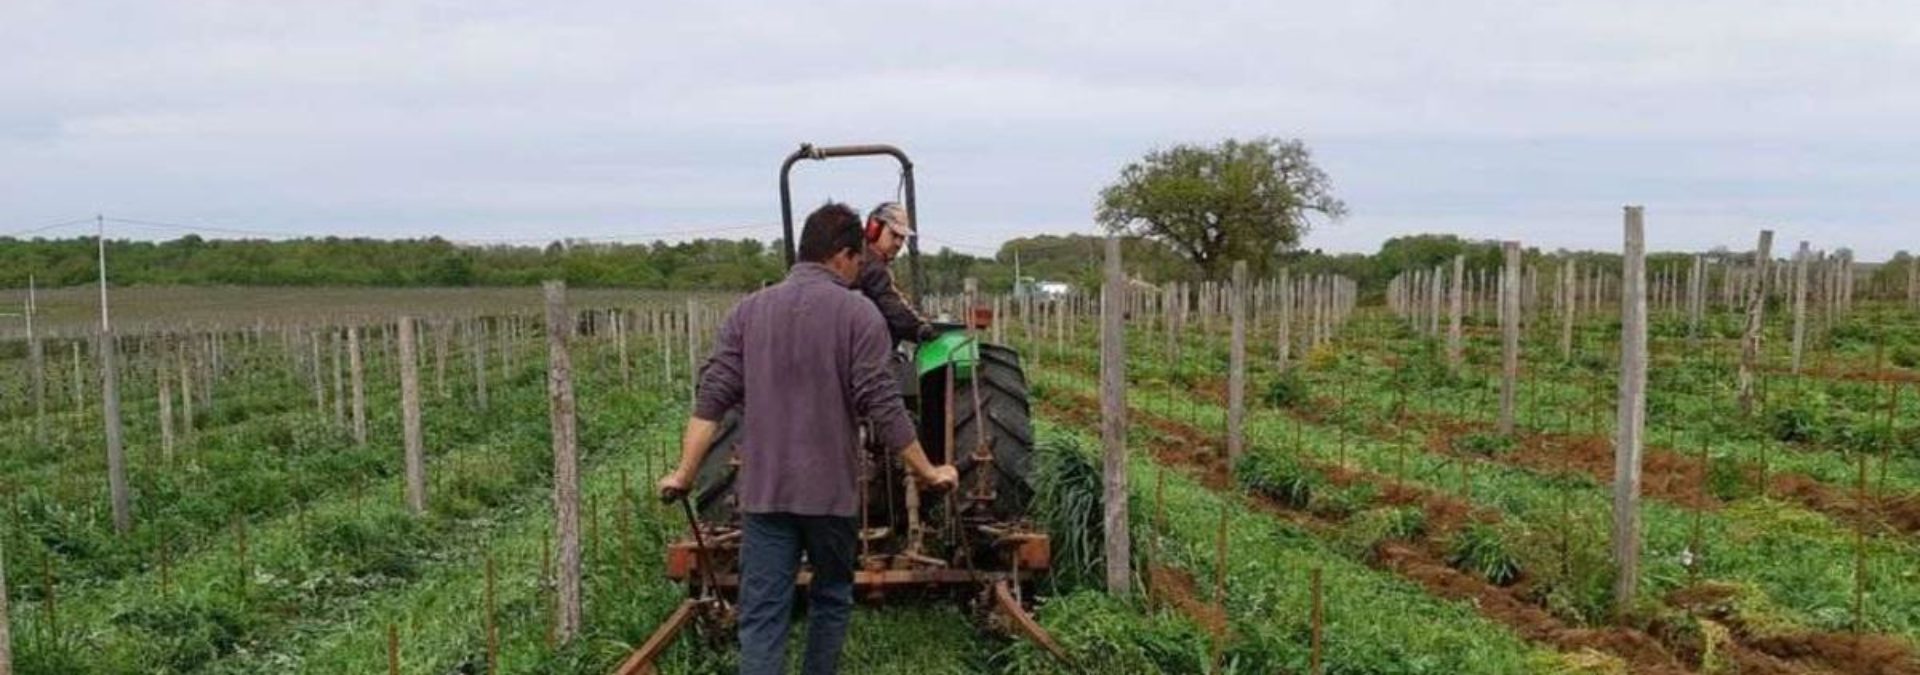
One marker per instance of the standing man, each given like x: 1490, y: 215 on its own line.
x: 887, y: 230
x: 808, y: 359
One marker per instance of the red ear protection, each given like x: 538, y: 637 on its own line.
x: 873, y: 229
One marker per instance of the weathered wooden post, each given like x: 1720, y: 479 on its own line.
x: 6, y: 623
x: 117, y: 487
x: 1756, y: 310
x: 1696, y: 296
x: 1633, y: 410
x: 1800, y: 262
x: 1113, y: 424
x: 318, y: 373
x: 477, y: 356
x: 1285, y: 345
x: 37, y: 364
x: 619, y: 320
x: 166, y: 405
x: 442, y: 334
x: 1570, y: 286
x: 1455, y: 303
x: 566, y: 462
x: 1237, y: 367
x: 1510, y: 335
x: 416, y: 463
x: 356, y: 373
x: 1913, y: 282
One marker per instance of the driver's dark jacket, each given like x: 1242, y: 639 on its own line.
x: 876, y: 282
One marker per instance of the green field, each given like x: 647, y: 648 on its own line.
x: 268, y: 540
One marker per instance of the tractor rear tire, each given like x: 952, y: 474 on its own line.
x: 1005, y: 416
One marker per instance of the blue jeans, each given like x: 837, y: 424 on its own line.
x: 769, y: 563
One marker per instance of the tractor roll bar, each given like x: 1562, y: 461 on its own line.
x: 810, y: 151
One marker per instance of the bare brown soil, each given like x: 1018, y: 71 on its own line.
x: 1658, y: 649
x: 1172, y: 586
x: 1866, y: 653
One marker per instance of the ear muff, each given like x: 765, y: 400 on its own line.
x: 873, y: 229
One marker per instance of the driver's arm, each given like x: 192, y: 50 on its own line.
x: 876, y: 282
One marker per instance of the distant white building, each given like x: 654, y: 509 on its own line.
x: 1048, y: 290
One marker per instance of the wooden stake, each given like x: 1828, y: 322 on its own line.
x: 1510, y: 335
x: 1456, y: 302
x: 491, y: 622
x: 1318, y: 619
x: 355, y: 372
x: 393, y: 649
x: 6, y: 622
x: 1860, y: 549
x: 1800, y: 263
x: 1632, y: 416
x: 1756, y: 311
x: 1220, y: 589
x: 1113, y: 424
x: 415, y: 442
x: 566, y: 462
x: 1237, y: 368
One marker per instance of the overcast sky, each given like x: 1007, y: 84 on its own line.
x: 483, y: 121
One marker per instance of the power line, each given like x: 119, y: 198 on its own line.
x: 43, y: 228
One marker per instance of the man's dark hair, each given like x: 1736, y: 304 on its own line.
x: 830, y: 229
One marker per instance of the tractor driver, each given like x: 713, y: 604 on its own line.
x: 887, y: 230
x: 806, y: 360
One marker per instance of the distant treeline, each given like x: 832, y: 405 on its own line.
x: 704, y: 264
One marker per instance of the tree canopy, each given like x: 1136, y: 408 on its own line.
x: 1237, y: 200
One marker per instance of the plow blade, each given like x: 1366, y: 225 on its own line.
x: 641, y: 661
x: 1023, y: 624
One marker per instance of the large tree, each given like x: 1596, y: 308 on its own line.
x: 1238, y: 200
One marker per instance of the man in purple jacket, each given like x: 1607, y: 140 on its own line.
x: 808, y: 358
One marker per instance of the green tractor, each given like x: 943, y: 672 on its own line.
x: 970, y: 404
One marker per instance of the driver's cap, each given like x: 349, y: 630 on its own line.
x: 895, y: 217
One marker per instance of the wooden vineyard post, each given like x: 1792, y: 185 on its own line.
x: 1756, y: 310
x: 1317, y: 617
x: 120, y: 494
x: 1455, y: 302
x: 1237, y: 368
x: 339, y: 382
x: 566, y: 463
x: 1285, y: 345
x: 50, y: 601
x: 1696, y: 296
x: 79, y: 378
x: 1633, y: 410
x: 477, y: 355
x: 355, y: 372
x: 166, y: 407
x: 1113, y: 424
x: 619, y: 318
x: 693, y: 357
x: 489, y: 622
x: 1509, y: 335
x: 416, y: 465
x: 37, y: 365
x: 1220, y: 590
x: 393, y: 649
x: 1860, y: 550
x: 319, y: 382
x: 6, y: 623
x: 1913, y: 284
x: 1570, y: 291
x: 1799, y: 304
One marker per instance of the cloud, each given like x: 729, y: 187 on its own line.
x: 1515, y: 119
